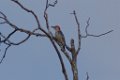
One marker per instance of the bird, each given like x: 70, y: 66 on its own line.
x: 59, y: 37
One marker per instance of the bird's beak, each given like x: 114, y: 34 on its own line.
x: 53, y: 27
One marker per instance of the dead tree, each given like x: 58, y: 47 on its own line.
x: 39, y: 31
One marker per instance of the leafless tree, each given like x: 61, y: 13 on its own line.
x: 39, y: 31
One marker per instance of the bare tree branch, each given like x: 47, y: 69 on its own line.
x: 60, y: 58
x: 30, y: 33
x: 67, y: 55
x: 20, y: 29
x: 30, y: 11
x: 5, y: 53
x: 75, y: 52
x: 51, y: 39
x: 7, y: 41
x: 97, y: 35
x: 87, y: 34
x: 35, y: 16
x: 45, y: 13
x: 24, y: 40
x: 16, y: 28
x: 79, y: 34
x: 9, y: 35
x: 2, y: 18
x: 86, y: 29
x: 64, y: 51
x: 87, y: 78
x: 3, y: 15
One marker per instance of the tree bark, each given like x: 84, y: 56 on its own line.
x: 74, y: 70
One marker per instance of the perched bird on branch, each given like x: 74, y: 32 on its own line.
x: 59, y: 37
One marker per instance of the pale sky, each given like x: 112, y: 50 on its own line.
x: 36, y: 59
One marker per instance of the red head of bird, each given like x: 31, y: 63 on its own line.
x: 56, y: 27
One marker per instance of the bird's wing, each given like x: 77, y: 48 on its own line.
x: 63, y: 37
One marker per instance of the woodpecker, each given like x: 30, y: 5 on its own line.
x: 59, y: 37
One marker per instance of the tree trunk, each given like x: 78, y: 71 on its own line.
x: 74, y: 70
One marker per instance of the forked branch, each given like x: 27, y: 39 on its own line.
x: 92, y: 35
x: 79, y: 34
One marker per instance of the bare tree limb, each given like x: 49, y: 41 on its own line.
x: 5, y: 53
x: 35, y: 16
x: 30, y: 33
x: 97, y: 35
x: 87, y: 78
x: 65, y: 52
x: 16, y: 28
x: 47, y: 24
x: 87, y: 34
x: 67, y: 55
x: 7, y: 41
x: 9, y: 35
x: 86, y: 29
x: 51, y: 39
x: 79, y: 34
x: 60, y: 58
x: 3, y: 15
x: 20, y: 29
x: 74, y: 64
x: 45, y: 13
x: 30, y: 11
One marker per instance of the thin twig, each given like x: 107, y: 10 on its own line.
x: 35, y: 16
x: 5, y: 53
x: 30, y: 11
x: 86, y: 29
x: 10, y: 35
x: 20, y: 29
x: 87, y: 34
x: 45, y: 13
x: 97, y: 35
x: 3, y: 14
